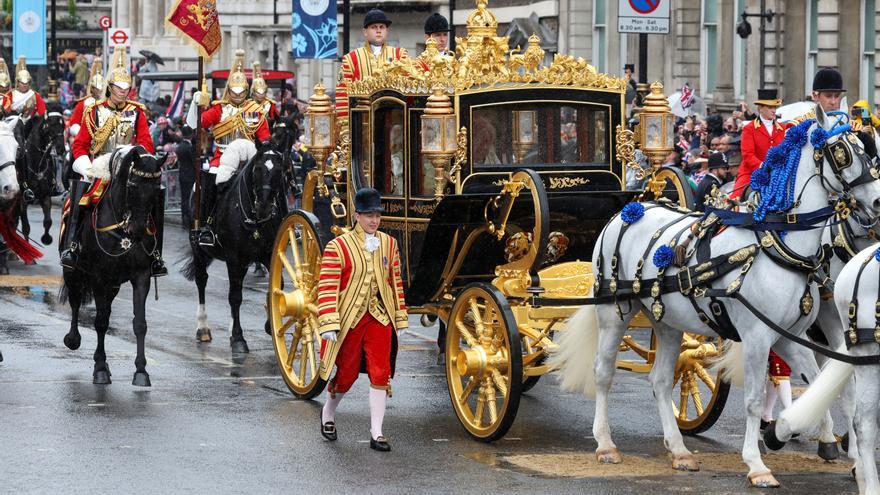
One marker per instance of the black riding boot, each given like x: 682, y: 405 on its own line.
x: 70, y: 243
x: 209, y: 198
x: 158, y: 268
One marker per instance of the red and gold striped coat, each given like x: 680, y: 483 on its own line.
x: 359, y: 64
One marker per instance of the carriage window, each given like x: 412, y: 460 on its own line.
x: 539, y: 133
x: 390, y: 160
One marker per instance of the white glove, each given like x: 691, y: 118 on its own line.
x: 192, y: 117
x: 74, y: 129
x: 329, y: 336
x: 83, y: 166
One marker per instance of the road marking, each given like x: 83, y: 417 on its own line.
x: 25, y: 281
x: 97, y: 404
x: 441, y: 439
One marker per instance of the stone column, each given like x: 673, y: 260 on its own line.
x: 848, y: 54
x: 794, y: 49
x: 148, y: 19
x: 723, y: 96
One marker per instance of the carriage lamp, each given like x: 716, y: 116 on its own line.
x: 439, y: 136
x: 656, y: 127
x: 319, y: 125
x: 524, y: 133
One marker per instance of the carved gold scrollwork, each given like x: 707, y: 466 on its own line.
x: 626, y: 151
x: 566, y: 182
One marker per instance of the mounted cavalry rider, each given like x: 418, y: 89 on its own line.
x: 106, y: 125
x: 362, y: 62
x: 230, y: 118
x: 23, y: 100
x: 96, y: 90
x: 5, y: 81
x: 758, y: 137
x: 259, y: 93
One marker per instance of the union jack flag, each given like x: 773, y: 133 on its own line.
x: 687, y: 96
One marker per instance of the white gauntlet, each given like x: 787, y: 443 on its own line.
x: 83, y: 166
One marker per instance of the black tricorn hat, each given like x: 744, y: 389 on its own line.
x: 436, y: 23
x: 376, y: 16
x: 717, y: 159
x: 367, y: 200
x: 768, y: 97
x: 828, y: 79
x: 631, y: 67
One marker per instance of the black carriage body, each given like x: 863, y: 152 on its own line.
x: 445, y: 245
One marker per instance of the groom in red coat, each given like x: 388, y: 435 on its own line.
x: 758, y: 137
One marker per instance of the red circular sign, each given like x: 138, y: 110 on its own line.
x: 119, y: 37
x: 644, y: 6
x: 104, y: 22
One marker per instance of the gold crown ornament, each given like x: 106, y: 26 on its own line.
x: 258, y: 85
x: 119, y: 75
x: 96, y: 76
x: 21, y: 73
x: 237, y: 82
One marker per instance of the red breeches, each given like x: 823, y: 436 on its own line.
x: 368, y: 339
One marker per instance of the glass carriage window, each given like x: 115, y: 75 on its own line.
x: 539, y: 133
x: 389, y: 154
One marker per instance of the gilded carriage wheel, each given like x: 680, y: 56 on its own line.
x: 293, y: 294
x: 483, y: 362
x: 677, y: 186
x: 700, y: 395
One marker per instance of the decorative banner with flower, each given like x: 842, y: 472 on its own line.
x: 314, y: 29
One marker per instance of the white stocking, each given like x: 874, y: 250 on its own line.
x: 328, y: 413
x: 377, y: 411
x: 784, y: 392
x: 769, y: 400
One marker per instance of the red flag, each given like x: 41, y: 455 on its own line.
x: 198, y: 23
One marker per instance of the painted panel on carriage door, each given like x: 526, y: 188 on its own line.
x: 29, y: 31
x: 314, y: 29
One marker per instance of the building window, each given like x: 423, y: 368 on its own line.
x: 812, y: 44
x: 866, y: 79
x: 708, y: 46
x: 599, y: 33
x: 739, y: 52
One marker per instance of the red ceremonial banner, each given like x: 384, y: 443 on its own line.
x: 198, y: 23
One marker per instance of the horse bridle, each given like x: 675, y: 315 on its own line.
x: 126, y: 213
x: 255, y: 204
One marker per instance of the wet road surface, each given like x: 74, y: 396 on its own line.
x: 225, y: 424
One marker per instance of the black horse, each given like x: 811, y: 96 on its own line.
x: 117, y: 245
x: 44, y: 143
x: 249, y: 210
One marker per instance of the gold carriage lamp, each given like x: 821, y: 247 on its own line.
x: 656, y: 127
x: 319, y: 126
x: 524, y: 135
x: 439, y: 136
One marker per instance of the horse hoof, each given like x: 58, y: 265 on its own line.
x: 770, y: 439
x: 844, y: 442
x: 46, y: 239
x: 203, y: 334
x: 102, y: 378
x: 763, y: 480
x: 72, y: 341
x: 608, y: 456
x: 141, y: 379
x: 239, y: 347
x: 828, y: 451
x: 685, y: 463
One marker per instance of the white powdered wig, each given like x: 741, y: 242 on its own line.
x: 237, y: 152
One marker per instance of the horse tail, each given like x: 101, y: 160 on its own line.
x: 810, y: 408
x: 730, y: 364
x: 189, y: 264
x: 576, y: 356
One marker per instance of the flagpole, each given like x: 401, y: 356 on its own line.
x: 197, y: 145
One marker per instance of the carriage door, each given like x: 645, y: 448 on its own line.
x: 389, y: 169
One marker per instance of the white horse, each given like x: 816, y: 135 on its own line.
x: 9, y: 188
x: 775, y: 289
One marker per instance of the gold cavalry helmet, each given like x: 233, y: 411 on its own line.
x: 237, y: 82
x: 21, y: 73
x: 259, y: 85
x: 96, y: 76
x: 119, y: 75
x: 5, y: 81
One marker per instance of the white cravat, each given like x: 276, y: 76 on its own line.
x: 768, y: 124
x: 376, y: 50
x: 371, y: 242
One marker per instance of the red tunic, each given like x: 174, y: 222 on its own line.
x: 754, y: 146
x: 78, y: 111
x: 83, y: 142
x: 39, y: 110
x: 212, y: 117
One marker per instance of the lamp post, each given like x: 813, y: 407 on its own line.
x: 524, y: 133
x: 319, y: 125
x: 53, y: 58
x: 744, y: 29
x: 656, y: 127
x: 439, y: 136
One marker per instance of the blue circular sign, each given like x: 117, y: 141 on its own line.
x: 644, y: 6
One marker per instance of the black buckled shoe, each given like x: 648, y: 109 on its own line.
x: 765, y: 424
x: 381, y: 444
x: 328, y: 429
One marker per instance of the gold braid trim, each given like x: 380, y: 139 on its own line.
x: 102, y: 134
x: 236, y: 122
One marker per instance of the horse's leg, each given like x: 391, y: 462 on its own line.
x: 236, y: 273
x: 802, y: 359
x: 140, y: 284
x: 867, y: 384
x: 829, y: 321
x: 103, y: 300
x: 46, y: 203
x: 74, y: 297
x: 662, y: 374
x: 755, y: 352
x: 23, y: 218
x: 611, y: 330
x: 203, y: 331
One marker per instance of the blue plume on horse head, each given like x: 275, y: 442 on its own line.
x: 776, y: 177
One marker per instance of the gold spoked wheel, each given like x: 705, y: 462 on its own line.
x: 677, y: 186
x: 700, y: 395
x: 483, y: 362
x: 293, y: 294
